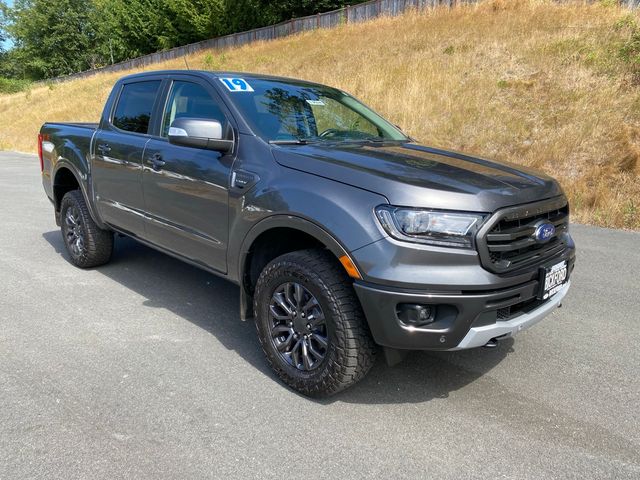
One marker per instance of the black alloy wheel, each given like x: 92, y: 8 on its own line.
x: 87, y: 244
x: 310, y: 323
x: 298, y: 327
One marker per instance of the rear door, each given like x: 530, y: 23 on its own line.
x: 117, y: 155
x: 186, y: 189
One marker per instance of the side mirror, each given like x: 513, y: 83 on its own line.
x: 199, y: 133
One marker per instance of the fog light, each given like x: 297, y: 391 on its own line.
x: 415, y: 315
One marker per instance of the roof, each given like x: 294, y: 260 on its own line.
x: 219, y: 74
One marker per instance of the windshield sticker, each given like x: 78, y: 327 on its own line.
x: 315, y: 102
x: 236, y: 84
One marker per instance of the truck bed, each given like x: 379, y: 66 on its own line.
x: 60, y: 139
x: 90, y: 125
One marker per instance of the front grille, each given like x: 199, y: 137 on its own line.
x: 503, y: 313
x: 506, y: 243
x: 512, y: 311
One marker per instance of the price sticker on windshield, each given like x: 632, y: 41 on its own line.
x: 236, y: 84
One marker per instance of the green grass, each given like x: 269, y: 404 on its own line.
x: 8, y: 85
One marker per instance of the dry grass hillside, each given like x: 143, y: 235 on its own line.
x: 554, y: 86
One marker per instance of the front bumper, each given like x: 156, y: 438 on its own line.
x: 462, y: 320
x: 480, y: 336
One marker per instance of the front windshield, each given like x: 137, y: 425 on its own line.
x: 290, y: 111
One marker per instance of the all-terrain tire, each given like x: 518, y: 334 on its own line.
x: 350, y: 352
x: 87, y: 244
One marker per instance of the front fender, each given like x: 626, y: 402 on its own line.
x: 340, y: 216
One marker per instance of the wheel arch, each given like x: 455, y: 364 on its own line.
x: 258, y: 249
x: 67, y: 177
x: 64, y: 180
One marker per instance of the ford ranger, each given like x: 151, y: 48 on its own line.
x: 343, y: 233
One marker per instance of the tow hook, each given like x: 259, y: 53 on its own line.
x: 493, y: 343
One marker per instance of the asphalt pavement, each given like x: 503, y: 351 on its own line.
x: 142, y: 369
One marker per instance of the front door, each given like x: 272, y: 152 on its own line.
x: 186, y: 189
x: 117, y: 157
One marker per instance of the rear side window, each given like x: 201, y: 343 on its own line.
x: 135, y: 104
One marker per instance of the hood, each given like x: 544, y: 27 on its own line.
x: 419, y: 176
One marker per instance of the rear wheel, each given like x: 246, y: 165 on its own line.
x: 87, y: 244
x: 310, y: 323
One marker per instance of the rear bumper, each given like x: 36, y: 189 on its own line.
x: 461, y: 321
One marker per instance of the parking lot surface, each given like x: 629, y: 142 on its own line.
x: 142, y: 369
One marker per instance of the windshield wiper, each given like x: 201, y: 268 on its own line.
x: 292, y: 141
x: 367, y: 140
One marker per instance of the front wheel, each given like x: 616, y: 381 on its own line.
x: 87, y: 244
x: 311, y: 325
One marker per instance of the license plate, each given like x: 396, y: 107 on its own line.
x: 552, y: 279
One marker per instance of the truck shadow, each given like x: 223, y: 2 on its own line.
x: 212, y: 304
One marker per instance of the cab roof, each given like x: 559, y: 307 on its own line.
x: 218, y: 74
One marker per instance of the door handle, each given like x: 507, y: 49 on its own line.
x: 104, y: 148
x: 156, y: 162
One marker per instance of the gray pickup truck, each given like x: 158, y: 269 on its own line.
x: 343, y: 233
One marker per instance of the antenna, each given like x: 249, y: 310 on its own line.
x: 186, y: 63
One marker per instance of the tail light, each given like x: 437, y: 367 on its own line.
x: 41, y: 138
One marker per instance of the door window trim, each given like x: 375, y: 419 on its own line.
x: 159, y: 113
x: 114, y: 107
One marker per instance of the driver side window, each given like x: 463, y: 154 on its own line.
x: 190, y: 100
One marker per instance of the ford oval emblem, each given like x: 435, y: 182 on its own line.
x: 544, y: 232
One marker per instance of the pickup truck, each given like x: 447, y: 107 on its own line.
x: 343, y: 233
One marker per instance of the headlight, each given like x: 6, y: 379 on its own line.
x: 446, y: 229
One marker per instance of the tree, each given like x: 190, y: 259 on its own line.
x: 4, y: 60
x: 58, y: 37
x: 3, y: 25
x: 124, y: 29
x: 52, y: 37
x: 130, y: 28
x: 188, y: 21
x: 247, y: 14
x: 243, y: 15
x: 287, y: 9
